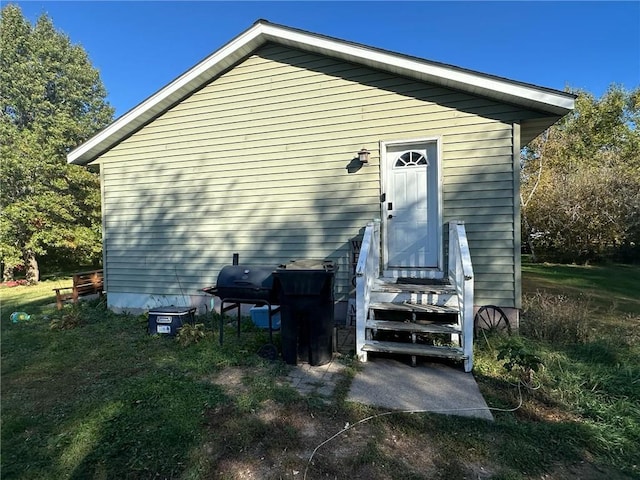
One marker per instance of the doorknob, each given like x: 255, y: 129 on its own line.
x: 390, y: 217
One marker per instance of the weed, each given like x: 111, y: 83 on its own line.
x: 190, y: 334
x: 557, y: 318
x: 71, y: 319
x: 521, y: 359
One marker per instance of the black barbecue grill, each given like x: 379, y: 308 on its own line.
x: 247, y: 283
x: 241, y: 284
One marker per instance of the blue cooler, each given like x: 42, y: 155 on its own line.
x: 260, y: 317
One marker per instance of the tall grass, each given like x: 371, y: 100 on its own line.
x: 557, y: 318
x: 591, y: 374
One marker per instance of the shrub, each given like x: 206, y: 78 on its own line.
x: 71, y: 319
x: 190, y: 334
x: 520, y: 360
x: 556, y: 318
x: 583, y: 216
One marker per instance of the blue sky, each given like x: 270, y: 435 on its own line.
x: 141, y: 46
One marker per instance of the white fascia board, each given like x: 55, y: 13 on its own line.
x: 525, y: 95
x: 167, y: 96
x: 473, y: 82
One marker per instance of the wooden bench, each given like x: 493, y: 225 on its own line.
x: 84, y: 283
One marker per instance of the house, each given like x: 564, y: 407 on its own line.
x: 255, y: 150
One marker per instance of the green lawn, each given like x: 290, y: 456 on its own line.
x: 607, y: 286
x: 31, y: 299
x: 103, y: 399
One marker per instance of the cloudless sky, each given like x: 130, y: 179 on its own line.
x: 139, y: 47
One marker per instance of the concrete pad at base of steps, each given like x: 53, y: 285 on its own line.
x: 433, y: 387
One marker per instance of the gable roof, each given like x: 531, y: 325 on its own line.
x: 551, y: 104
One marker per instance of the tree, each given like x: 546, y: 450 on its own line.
x: 52, y: 99
x: 581, y: 182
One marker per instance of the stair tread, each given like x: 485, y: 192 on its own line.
x: 414, y: 349
x: 413, y: 327
x: 413, y: 307
x: 445, y: 289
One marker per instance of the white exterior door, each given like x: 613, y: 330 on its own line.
x: 410, y: 206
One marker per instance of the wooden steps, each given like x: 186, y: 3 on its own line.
x: 414, y: 349
x: 412, y: 307
x: 411, y: 327
x: 415, y: 319
x: 415, y: 288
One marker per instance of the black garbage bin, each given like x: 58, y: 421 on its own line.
x: 306, y: 295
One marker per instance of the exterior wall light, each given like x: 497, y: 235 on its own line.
x: 363, y: 156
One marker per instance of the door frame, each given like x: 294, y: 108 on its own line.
x: 419, y: 272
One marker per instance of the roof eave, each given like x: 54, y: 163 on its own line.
x: 157, y: 103
x: 530, y: 96
x: 550, y: 102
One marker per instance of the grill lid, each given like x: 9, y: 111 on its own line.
x: 242, y: 276
x: 244, y: 282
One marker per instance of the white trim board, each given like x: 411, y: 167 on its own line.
x: 552, y: 104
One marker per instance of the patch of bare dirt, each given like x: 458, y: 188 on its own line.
x: 277, y: 440
x: 230, y: 379
x: 282, y: 441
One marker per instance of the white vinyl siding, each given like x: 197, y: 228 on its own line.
x: 256, y: 163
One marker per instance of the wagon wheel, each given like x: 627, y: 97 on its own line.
x: 492, y: 319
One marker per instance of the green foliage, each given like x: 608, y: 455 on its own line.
x: 190, y: 334
x: 581, y: 182
x: 594, y: 377
x: 71, y: 318
x: 51, y: 100
x: 520, y: 358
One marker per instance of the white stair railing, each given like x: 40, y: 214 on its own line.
x: 367, y: 272
x: 461, y: 277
